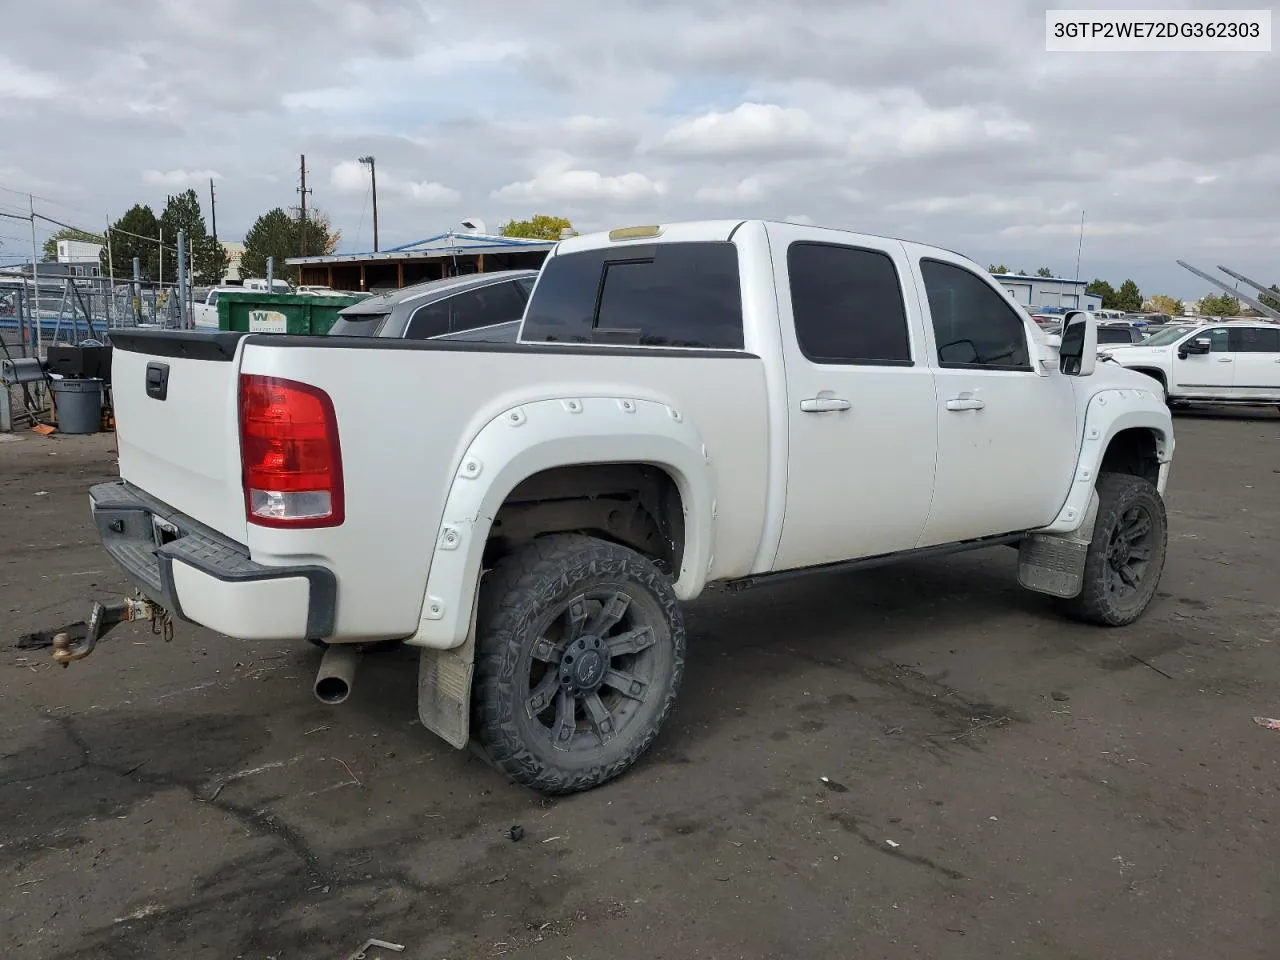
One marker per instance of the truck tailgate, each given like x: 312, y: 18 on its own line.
x: 175, y: 396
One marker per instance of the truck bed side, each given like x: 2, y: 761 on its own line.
x: 407, y: 413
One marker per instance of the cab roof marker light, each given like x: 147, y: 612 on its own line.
x: 635, y: 233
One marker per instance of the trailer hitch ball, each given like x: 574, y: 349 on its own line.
x: 104, y: 617
x: 65, y: 650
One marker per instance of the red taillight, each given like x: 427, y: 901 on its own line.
x: 292, y: 464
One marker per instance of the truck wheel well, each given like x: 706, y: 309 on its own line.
x: 633, y: 504
x: 1154, y: 375
x: 1134, y: 452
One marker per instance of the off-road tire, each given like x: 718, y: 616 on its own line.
x: 528, y: 597
x: 1099, y: 602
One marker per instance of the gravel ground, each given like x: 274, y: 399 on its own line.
x: 1007, y: 785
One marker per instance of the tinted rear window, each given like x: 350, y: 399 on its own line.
x: 358, y: 325
x: 1114, y: 335
x: 660, y: 295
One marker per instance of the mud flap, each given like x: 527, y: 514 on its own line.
x: 1054, y: 563
x: 444, y: 688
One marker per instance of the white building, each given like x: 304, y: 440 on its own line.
x: 78, y: 251
x: 1038, y: 293
x: 234, y: 252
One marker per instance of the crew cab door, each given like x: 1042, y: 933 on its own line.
x: 1257, y: 362
x: 860, y: 397
x: 1007, y: 432
x: 1201, y: 373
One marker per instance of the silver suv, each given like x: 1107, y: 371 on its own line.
x: 479, y: 306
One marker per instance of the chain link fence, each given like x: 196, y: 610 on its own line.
x: 71, y: 310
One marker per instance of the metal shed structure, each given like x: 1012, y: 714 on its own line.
x: 448, y: 254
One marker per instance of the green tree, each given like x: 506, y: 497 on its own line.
x: 1270, y: 301
x: 1045, y: 272
x: 134, y: 235
x: 320, y: 238
x: 272, y: 235
x: 540, y: 226
x: 1101, y: 288
x: 276, y: 234
x: 208, y: 258
x: 993, y: 268
x: 50, y: 250
x: 1129, y: 297
x: 1160, y: 303
x: 1220, y: 305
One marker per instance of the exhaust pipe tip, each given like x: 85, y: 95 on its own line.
x: 332, y: 690
x: 337, y: 673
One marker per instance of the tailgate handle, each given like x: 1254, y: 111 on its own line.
x: 157, y: 381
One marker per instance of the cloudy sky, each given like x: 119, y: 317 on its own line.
x: 944, y: 122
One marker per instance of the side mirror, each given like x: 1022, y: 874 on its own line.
x: 1078, y: 348
x: 1199, y: 346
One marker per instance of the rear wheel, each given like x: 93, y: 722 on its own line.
x: 579, y: 655
x: 1126, y: 557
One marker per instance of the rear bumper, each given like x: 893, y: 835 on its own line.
x: 201, y: 576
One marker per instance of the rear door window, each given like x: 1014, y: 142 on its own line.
x: 847, y: 305
x: 1255, y: 340
x: 659, y: 295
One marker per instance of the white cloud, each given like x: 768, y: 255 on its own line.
x: 350, y: 176
x: 1103, y: 228
x: 19, y: 83
x: 744, y: 191
x: 559, y: 184
x: 988, y: 205
x: 944, y: 122
x: 915, y: 129
x: 749, y: 130
x: 179, y: 179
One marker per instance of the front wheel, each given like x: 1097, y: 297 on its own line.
x: 1126, y: 556
x: 579, y: 655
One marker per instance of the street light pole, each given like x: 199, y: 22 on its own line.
x: 373, y: 179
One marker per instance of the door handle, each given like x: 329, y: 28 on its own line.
x: 1224, y: 359
x: 965, y: 403
x: 824, y: 405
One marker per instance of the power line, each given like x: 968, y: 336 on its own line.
x: 56, y: 203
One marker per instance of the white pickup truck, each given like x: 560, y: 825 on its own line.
x: 1235, y: 362
x: 687, y: 403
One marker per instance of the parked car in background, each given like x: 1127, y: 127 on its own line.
x: 480, y: 306
x: 1116, y: 333
x: 1236, y: 362
x: 205, y: 310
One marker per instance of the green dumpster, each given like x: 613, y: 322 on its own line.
x: 257, y: 311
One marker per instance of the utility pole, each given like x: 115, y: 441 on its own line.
x: 182, y: 280
x: 35, y: 271
x: 1080, y: 245
x: 373, y: 179
x: 111, y: 273
x: 302, y: 208
x: 213, y: 210
x: 137, y: 289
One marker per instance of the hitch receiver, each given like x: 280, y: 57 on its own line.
x: 106, y: 616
